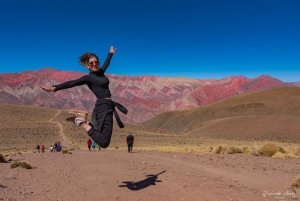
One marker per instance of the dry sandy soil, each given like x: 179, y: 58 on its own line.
x: 148, y: 175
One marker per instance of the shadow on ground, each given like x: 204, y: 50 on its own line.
x: 139, y: 185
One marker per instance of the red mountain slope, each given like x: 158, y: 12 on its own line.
x: 144, y: 96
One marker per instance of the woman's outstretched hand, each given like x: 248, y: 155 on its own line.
x: 112, y: 49
x: 48, y: 89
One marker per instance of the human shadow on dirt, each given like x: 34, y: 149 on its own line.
x: 139, y: 185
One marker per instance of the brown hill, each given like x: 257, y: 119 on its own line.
x: 266, y: 115
x: 269, y: 115
x: 24, y: 127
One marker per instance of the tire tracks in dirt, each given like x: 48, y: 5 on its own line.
x: 64, y: 139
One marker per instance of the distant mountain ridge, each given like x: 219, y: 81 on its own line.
x: 144, y: 96
x: 264, y: 115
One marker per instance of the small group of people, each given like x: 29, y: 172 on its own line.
x: 56, y: 147
x: 53, y: 148
x: 93, y: 144
x: 40, y: 148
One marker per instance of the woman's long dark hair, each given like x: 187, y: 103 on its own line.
x: 84, y: 59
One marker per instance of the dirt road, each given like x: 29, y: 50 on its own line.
x: 63, y: 138
x: 117, y: 175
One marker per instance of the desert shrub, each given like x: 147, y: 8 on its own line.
x: 2, y: 159
x: 65, y: 151
x: 233, y: 150
x: 268, y: 149
x: 221, y: 149
x: 185, y: 150
x: 289, y: 154
x: 21, y: 165
x: 281, y: 150
x: 218, y: 150
x: 297, y: 152
x: 245, y: 148
x: 278, y: 155
x: 296, y: 182
x: 249, y: 151
x: 116, y: 147
x: 224, y: 149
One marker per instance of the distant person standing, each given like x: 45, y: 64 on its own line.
x: 54, y: 147
x: 51, y: 148
x: 130, y: 141
x: 94, y: 144
x: 38, y: 148
x: 58, y: 148
x: 89, y: 143
x: 43, y: 148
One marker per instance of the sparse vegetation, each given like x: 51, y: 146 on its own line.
x: 258, y: 150
x: 278, y: 155
x: 268, y: 149
x: 296, y: 182
x: 221, y: 149
x: 297, y: 152
x: 65, y: 151
x: 185, y: 150
x: 248, y: 152
x: 234, y: 150
x: 218, y: 150
x: 21, y: 165
x: 2, y: 159
x: 281, y: 150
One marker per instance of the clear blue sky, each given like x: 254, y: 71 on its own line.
x: 188, y: 38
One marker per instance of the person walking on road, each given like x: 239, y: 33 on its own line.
x: 89, y: 143
x: 130, y: 141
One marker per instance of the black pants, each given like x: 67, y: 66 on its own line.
x: 129, y: 147
x: 102, y: 135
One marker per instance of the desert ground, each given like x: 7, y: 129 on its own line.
x: 148, y: 175
x: 221, y: 155
x: 114, y: 174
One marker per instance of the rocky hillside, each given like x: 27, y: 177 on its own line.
x: 265, y: 115
x: 144, y: 96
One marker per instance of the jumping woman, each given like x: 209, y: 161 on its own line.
x: 100, y: 128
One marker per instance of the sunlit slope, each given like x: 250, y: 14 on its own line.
x: 24, y: 127
x: 271, y: 114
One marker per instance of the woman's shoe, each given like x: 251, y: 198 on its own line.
x: 79, y: 117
